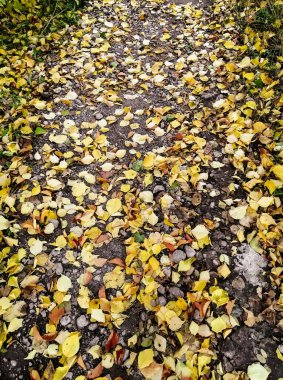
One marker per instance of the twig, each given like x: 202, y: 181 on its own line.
x: 51, y: 18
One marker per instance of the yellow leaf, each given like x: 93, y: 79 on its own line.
x: 98, y: 315
x: 113, y: 206
x: 249, y: 76
x: 218, y: 325
x: 71, y: 345
x: 201, y: 233
x: 148, y: 161
x: 61, y: 372
x: 146, y: 196
x: 265, y: 201
x: 223, y: 270
x: 160, y: 343
x: 4, y: 223
x: 79, y: 189
x: 125, y: 188
x: 60, y: 242
x: 145, y: 358
x: 245, y: 62
x: 15, y: 324
x: 229, y: 45
x: 175, y: 323
x: 251, y: 104
x: 39, y: 104
x: 256, y: 371
x: 194, y: 327
x: 259, y: 127
x: 238, y: 212
x: 64, y: 284
x: 219, y: 296
x: 185, y: 265
x: 278, y: 171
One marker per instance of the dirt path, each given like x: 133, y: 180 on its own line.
x: 133, y: 221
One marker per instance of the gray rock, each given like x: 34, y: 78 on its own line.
x: 162, y: 301
x: 65, y: 320
x: 58, y: 268
x: 167, y: 271
x: 208, y: 95
x: 176, y: 292
x: 190, y: 252
x: 82, y: 322
x: 158, y: 189
x: 178, y: 255
x: 99, y: 116
x: 238, y: 283
x: 161, y: 289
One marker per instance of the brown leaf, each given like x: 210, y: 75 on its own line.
x: 101, y: 292
x: 56, y: 314
x: 169, y: 246
x: 119, y: 356
x: 81, y: 362
x: 82, y: 240
x: 36, y: 334
x: 102, y: 238
x: 196, y: 199
x: 34, y: 375
x: 87, y: 278
x: 48, y: 372
x: 95, y: 372
x: 99, y: 262
x: 229, y: 306
x: 117, y: 261
x: 50, y: 336
x: 111, y: 341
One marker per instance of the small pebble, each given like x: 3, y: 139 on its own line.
x: 162, y: 301
x: 158, y: 189
x: 167, y: 271
x: 190, y: 252
x: 92, y: 327
x: 82, y: 322
x: 178, y: 255
x: 65, y: 320
x: 238, y: 283
x: 99, y: 116
x: 176, y: 292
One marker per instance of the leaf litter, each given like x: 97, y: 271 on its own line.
x: 157, y: 159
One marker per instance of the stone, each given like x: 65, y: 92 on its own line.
x: 190, y: 252
x: 158, y: 189
x: 167, y: 272
x: 82, y: 322
x: 162, y: 301
x: 238, y: 283
x: 99, y: 116
x: 178, y: 255
x: 65, y: 320
x: 176, y: 292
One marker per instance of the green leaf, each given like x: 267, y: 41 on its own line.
x: 170, y: 117
x: 137, y: 165
x: 39, y: 131
x: 259, y: 83
x: 139, y: 238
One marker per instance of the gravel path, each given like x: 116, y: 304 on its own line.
x: 132, y: 221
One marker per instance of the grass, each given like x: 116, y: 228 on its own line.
x: 265, y: 18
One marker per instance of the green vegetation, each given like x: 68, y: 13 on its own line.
x: 264, y: 20
x: 21, y: 18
